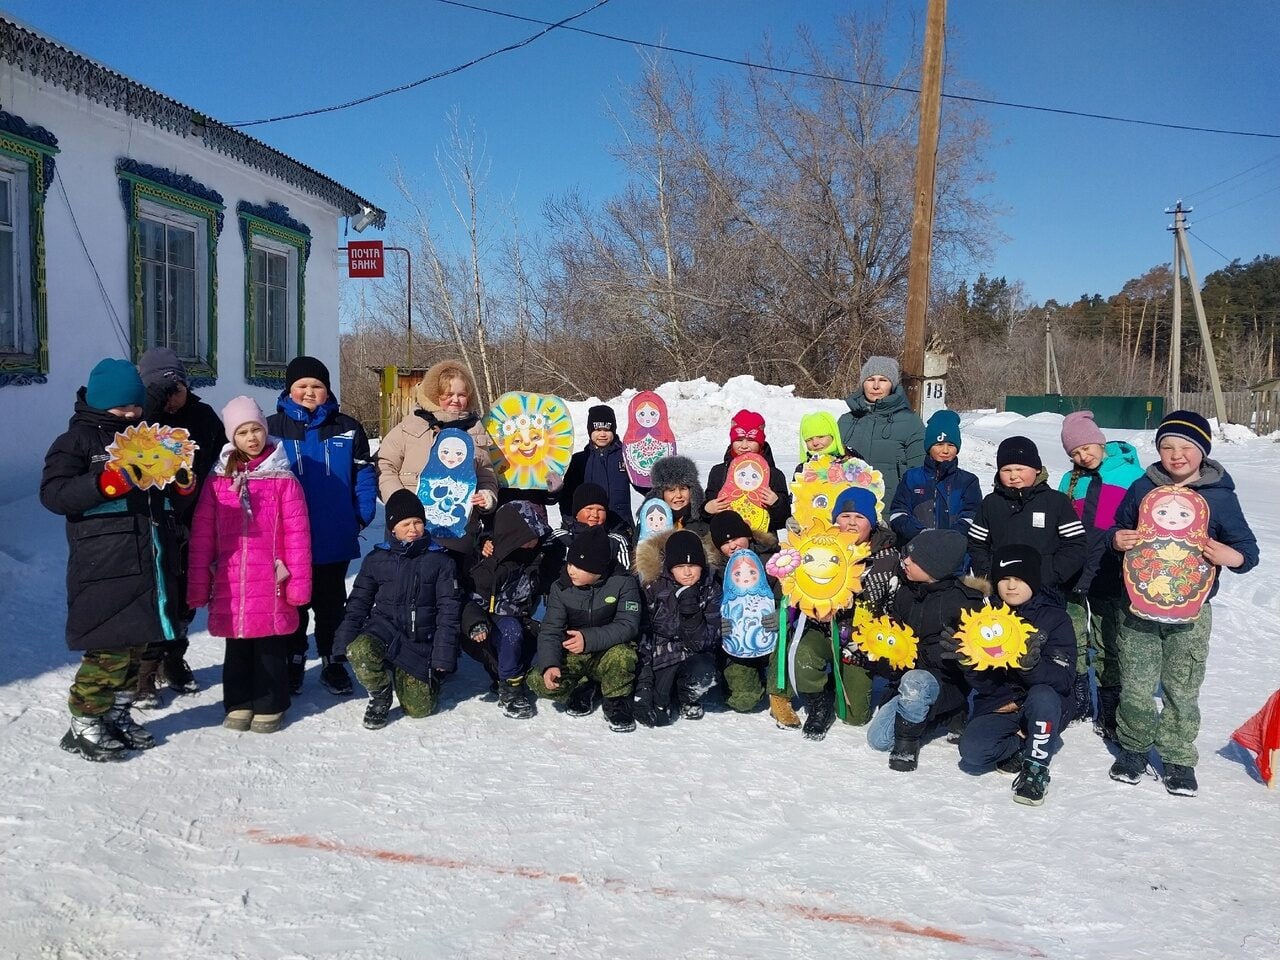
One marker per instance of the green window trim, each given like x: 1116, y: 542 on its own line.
x: 251, y: 228
x: 19, y: 369
x: 136, y: 189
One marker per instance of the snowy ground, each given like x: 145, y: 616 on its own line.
x: 471, y: 835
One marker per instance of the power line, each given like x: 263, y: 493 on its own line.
x: 1240, y: 204
x: 790, y: 71
x: 1210, y: 246
x: 435, y: 76
x: 1234, y: 176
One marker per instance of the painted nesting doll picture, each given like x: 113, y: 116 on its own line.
x: 448, y: 482
x: 532, y: 439
x: 747, y: 600
x: 648, y: 437
x: 1166, y: 574
x: 745, y: 483
x: 655, y: 518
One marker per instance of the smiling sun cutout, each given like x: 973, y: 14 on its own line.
x: 992, y: 637
x: 884, y: 639
x: 823, y: 570
x: 153, y: 455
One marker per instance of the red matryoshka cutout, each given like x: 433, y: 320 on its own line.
x: 745, y: 484
x: 1166, y: 574
x: 648, y: 437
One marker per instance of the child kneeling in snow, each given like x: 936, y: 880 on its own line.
x: 589, y: 633
x: 682, y: 627
x: 929, y: 600
x: 1019, y: 711
x: 250, y: 561
x: 400, y: 629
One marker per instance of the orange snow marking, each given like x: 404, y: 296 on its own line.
x: 618, y: 885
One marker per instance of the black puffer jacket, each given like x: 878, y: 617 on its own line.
x: 998, y: 687
x: 406, y: 595
x: 933, y: 611
x: 607, y: 613
x: 115, y: 547
x: 514, y: 578
x: 678, y: 622
x: 205, y: 428
x: 1036, y: 516
x: 781, y: 508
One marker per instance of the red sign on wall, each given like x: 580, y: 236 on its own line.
x: 364, y: 258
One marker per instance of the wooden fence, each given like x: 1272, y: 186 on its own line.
x: 1260, y: 410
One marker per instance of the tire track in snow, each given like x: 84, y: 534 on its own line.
x: 618, y: 885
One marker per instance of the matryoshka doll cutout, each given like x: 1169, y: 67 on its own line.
x: 655, y: 517
x: 745, y: 483
x: 1166, y: 574
x: 448, y: 482
x: 747, y: 600
x: 648, y: 437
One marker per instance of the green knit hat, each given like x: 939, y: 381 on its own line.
x: 820, y: 424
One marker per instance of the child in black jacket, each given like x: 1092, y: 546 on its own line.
x: 509, y: 577
x: 1024, y: 509
x: 1019, y: 712
x: 681, y: 629
x: 601, y: 462
x: 400, y: 628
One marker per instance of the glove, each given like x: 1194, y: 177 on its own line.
x: 726, y: 628
x: 950, y: 645
x: 849, y: 653
x: 1035, y: 644
x: 184, y: 480
x: 770, y: 621
x: 115, y: 483
x: 555, y: 482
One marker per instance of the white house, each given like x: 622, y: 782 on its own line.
x: 129, y: 220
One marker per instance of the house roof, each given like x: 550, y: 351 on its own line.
x: 1272, y: 384
x: 59, y: 65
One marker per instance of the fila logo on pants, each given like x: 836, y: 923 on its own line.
x: 1040, y: 739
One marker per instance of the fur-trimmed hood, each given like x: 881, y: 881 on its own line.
x: 428, y: 402
x: 648, y: 561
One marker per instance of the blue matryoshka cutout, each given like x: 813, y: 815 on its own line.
x: 448, y: 482
x: 655, y: 517
x: 748, y: 599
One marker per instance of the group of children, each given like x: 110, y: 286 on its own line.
x: 568, y: 615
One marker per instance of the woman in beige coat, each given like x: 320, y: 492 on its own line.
x: 446, y: 397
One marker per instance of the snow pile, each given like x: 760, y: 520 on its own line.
x: 468, y: 834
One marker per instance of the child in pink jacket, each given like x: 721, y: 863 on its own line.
x: 250, y: 561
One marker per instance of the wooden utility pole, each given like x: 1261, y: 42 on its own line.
x: 922, y: 210
x: 1180, y: 239
x: 1175, y: 334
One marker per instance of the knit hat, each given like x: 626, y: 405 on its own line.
x: 747, y: 425
x: 1018, y: 560
x: 601, y: 417
x: 1078, y: 429
x: 589, y: 494
x: 856, y: 500
x: 590, y: 551
x: 114, y: 383
x: 238, y: 412
x: 728, y: 525
x: 820, y: 424
x: 943, y: 427
x: 683, y: 546
x: 302, y: 367
x: 1018, y: 451
x: 881, y: 367
x: 403, y: 505
x: 161, y: 364
x: 1186, y: 424
x: 938, y: 552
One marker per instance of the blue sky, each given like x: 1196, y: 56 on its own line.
x: 1083, y: 199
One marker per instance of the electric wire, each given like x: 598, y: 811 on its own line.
x: 1240, y: 204
x: 1234, y: 176
x: 121, y: 333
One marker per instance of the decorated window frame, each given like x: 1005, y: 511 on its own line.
x: 153, y: 196
x: 271, y: 232
x: 27, y: 165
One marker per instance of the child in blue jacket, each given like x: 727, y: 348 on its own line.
x: 937, y: 495
x: 329, y: 452
x: 601, y: 462
x: 1019, y: 712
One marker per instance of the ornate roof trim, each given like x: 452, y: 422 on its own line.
x: 50, y: 61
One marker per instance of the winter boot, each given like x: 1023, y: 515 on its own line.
x: 1083, y: 706
x: 691, y: 711
x: 1011, y: 765
x: 176, y: 673
x: 1104, y: 724
x: 905, y: 755
x: 817, y: 714
x: 297, y: 670
x: 1179, y: 780
x: 335, y: 678
x: 119, y: 720
x: 784, y: 715
x: 375, y: 714
x: 515, y: 699
x: 617, y: 710
x: 648, y: 714
x: 1129, y: 767
x: 239, y: 720
x: 93, y: 739
x: 955, y: 726
x: 266, y: 722
x: 582, y: 701
x: 1031, y: 784
x: 147, y: 696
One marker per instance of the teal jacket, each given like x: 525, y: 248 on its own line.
x: 887, y: 434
